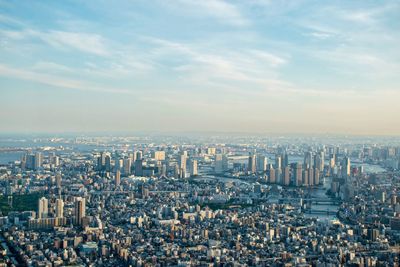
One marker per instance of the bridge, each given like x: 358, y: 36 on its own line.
x: 316, y: 201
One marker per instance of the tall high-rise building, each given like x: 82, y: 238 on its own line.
x: 139, y: 155
x: 117, y: 178
x: 193, y: 167
x: 182, y: 165
x: 104, y: 162
x: 262, y: 163
x: 286, y: 176
x: 38, y: 160
x: 211, y: 151
x: 127, y: 166
x: 43, y: 208
x: 272, y: 176
x: 278, y: 176
x: 59, y: 208
x: 107, y: 165
x: 316, y: 176
x: 221, y: 163
x: 286, y: 160
x: 346, y: 167
x: 308, y: 160
x: 158, y: 155
x: 251, y: 167
x: 139, y: 167
x: 119, y: 163
x: 58, y: 180
x: 298, y: 177
x: 80, y: 210
x: 278, y: 162
x: 305, y: 177
x: 311, y: 177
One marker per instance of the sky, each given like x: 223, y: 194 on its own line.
x: 254, y: 66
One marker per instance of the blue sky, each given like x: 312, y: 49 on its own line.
x: 211, y: 65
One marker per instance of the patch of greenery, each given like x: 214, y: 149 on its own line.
x: 25, y: 202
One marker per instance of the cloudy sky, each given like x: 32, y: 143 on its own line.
x: 274, y: 66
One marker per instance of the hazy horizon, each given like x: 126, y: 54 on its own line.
x: 265, y: 67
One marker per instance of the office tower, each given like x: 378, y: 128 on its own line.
x: 322, y: 163
x: 272, y: 175
x: 43, y: 208
x: 316, y: 176
x: 163, y: 170
x: 158, y: 155
x: 298, y: 178
x: 117, y: 178
x: 332, y: 162
x: 221, y: 163
x: 278, y: 176
x: 278, y: 162
x: 59, y: 208
x: 211, y: 151
x: 193, y: 167
x: 54, y: 160
x: 251, y: 167
x: 286, y: 175
x: 127, y: 166
x: 286, y: 161
x: 38, y: 160
x: 311, y: 177
x: 80, y: 210
x: 107, y: 165
x: 132, y: 156
x: 182, y: 165
x: 139, y: 167
x: 261, y: 163
x: 346, y: 167
x: 118, y: 164
x: 308, y: 160
x: 139, y: 155
x: 58, y: 180
x: 305, y: 177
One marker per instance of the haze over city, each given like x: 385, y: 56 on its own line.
x: 169, y: 66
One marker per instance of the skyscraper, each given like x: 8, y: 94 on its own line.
x: 193, y: 167
x: 286, y: 175
x: 221, y: 163
x: 43, y: 208
x: 298, y: 178
x: 182, y: 165
x: 251, y: 168
x: 139, y: 167
x: 80, y: 210
x: 38, y: 160
x: 59, y: 208
x: 346, y: 167
x: 308, y: 160
x: 127, y: 166
x: 261, y: 163
x: 272, y: 175
x: 158, y: 155
x: 117, y: 178
x: 278, y: 162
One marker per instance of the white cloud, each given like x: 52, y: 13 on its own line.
x: 221, y: 10
x: 58, y: 82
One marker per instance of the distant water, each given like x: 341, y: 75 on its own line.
x: 6, y: 157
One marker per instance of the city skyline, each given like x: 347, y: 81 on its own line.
x: 206, y: 66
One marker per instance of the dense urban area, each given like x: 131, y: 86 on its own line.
x: 199, y: 201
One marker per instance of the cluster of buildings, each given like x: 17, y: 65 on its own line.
x: 193, y: 204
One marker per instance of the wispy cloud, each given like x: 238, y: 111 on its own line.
x: 223, y: 11
x: 58, y: 82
